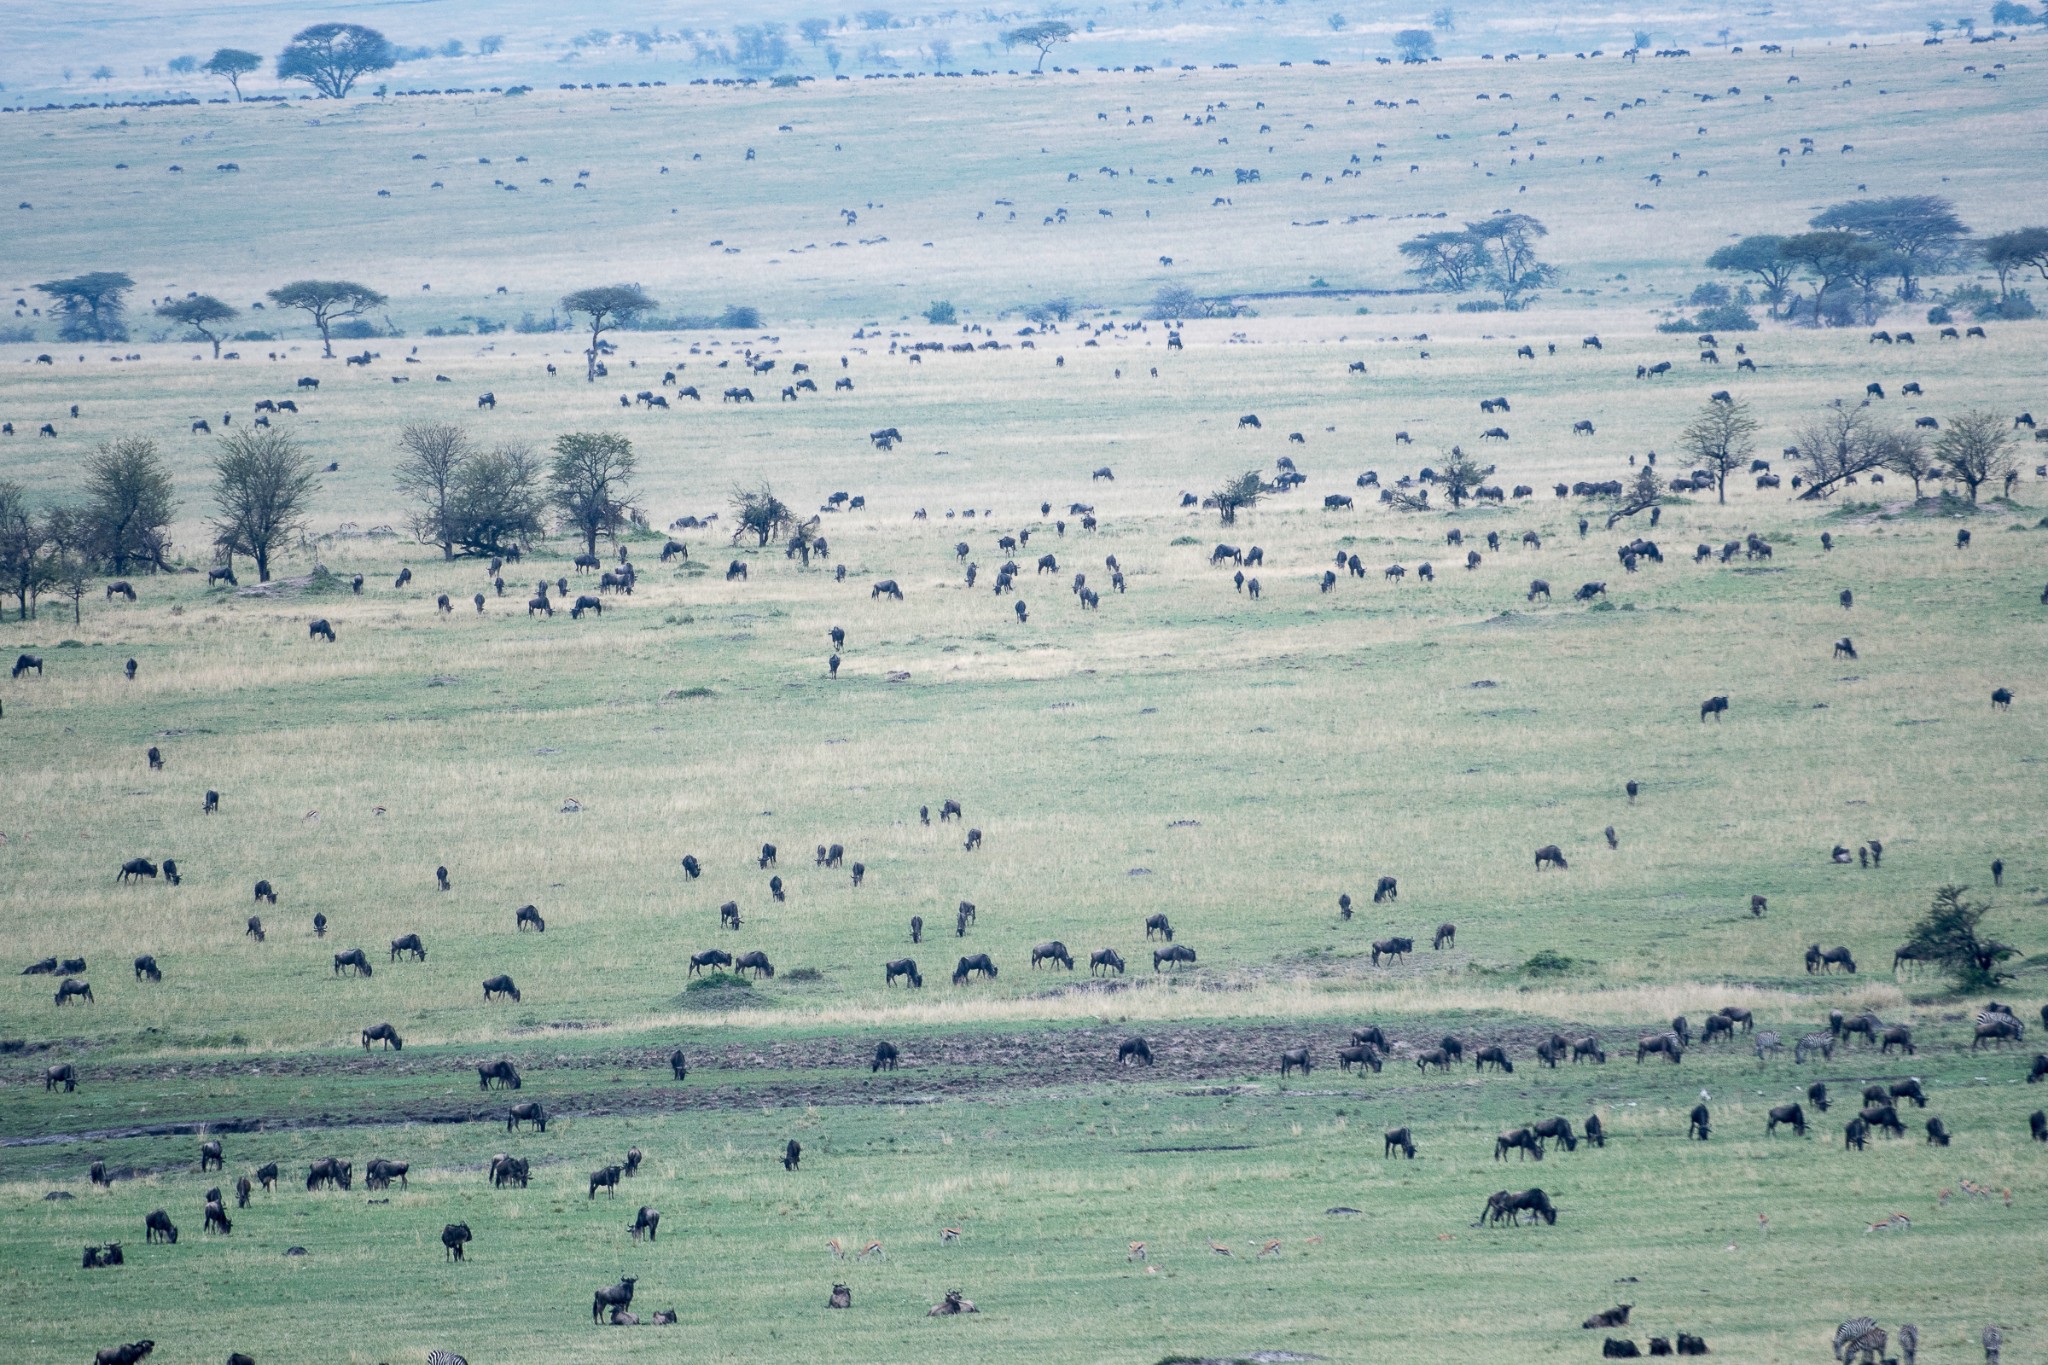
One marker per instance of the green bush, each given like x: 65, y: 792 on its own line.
x: 941, y: 313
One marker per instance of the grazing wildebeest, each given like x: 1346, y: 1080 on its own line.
x: 527, y: 1111
x: 255, y: 929
x: 1157, y: 924
x: 453, y: 1236
x: 1177, y: 954
x: 507, y: 1170
x: 885, y: 1057
x: 1908, y: 1089
x: 974, y: 835
x: 1588, y: 591
x: 949, y: 810
x: 1106, y: 959
x: 1717, y: 1025
x: 1295, y: 1059
x: 408, y: 943
x: 529, y: 914
x: 1136, y: 1048
x: 917, y: 928
x: 501, y: 1071
x: 606, y: 1178
x: 1819, y: 960
x: 158, y: 1227
x: 1883, y: 1116
x: 1497, y: 1056
x: 972, y: 963
x: 209, y: 1155
x: 902, y: 966
x: 792, y: 1155
x: 1556, y: 1129
x: 500, y: 985
x: 1898, y: 1035
x: 1548, y: 855
x: 379, y: 1174
x: 320, y: 630
x: 1666, y: 1044
x: 72, y: 987
x: 242, y: 1191
x: 885, y: 588
x: 145, y: 966
x: 1398, y: 1137
x: 756, y: 962
x: 2001, y: 699
x: 1511, y: 1206
x: 1362, y: 1055
x: 385, y: 1034
x: 355, y: 961
x: 63, y: 1074
x: 1435, y: 1057
x: 1392, y: 948
x: 1054, y: 951
x: 1518, y: 1140
x: 1713, y: 706
x: 123, y: 1355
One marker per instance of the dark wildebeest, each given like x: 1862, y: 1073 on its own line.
x: 1452, y: 1047
x: 355, y: 961
x: 1386, y: 890
x: 210, y: 803
x: 242, y: 1191
x: 917, y: 928
x: 1157, y: 924
x: 1716, y: 1026
x: 1134, y: 1047
x: 385, y: 1034
x: 507, y: 1170
x: 1436, y: 1057
x: 1372, y: 1035
x: 1898, y: 1035
x: 1538, y: 585
x: 1697, y: 1123
x: 647, y: 1220
x: 1392, y: 948
x: 1826, y: 960
x: 527, y: 1111
x: 528, y: 914
x: 500, y: 985
x: 1518, y: 1140
x: 1558, y: 1130
x: 26, y: 662
x: 209, y: 1155
x: 792, y: 1155
x: 1937, y: 1132
x: 1713, y: 706
x: 1496, y: 1056
x: 767, y: 858
x: 1361, y: 1055
x: 2037, y: 1125
x: 320, y: 630
x: 453, y: 1236
x: 974, y: 835
x: 1548, y: 855
x: 255, y: 929
x: 501, y: 1071
x: 1908, y: 1089
x: 886, y: 1056
x: 1295, y: 1059
x: 902, y: 966
x: 1106, y: 959
x: 158, y: 1227
x: 1666, y: 1044
x: 379, y: 1174
x: 607, y: 1179
x: 729, y: 915
x: 1446, y: 936
x: 1178, y: 953
x: 1786, y: 1113
x: 756, y: 962
x: 711, y: 957
x: 123, y: 1355
x: 1055, y: 951
x: 1995, y: 1030
x: 1616, y: 1316
x: 1588, y: 591
x: 145, y: 966
x: 266, y: 1175
x: 1883, y: 1116
x: 1398, y: 1137
x: 1511, y: 1206
x: 2001, y: 699
x: 408, y: 943
x: 70, y: 987
x: 974, y: 962
x: 63, y: 1074
x: 2040, y: 1071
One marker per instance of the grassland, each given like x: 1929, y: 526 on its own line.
x: 1233, y: 763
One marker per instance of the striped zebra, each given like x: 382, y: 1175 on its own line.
x: 1822, y: 1042
x: 1860, y: 1335
x: 2000, y: 1016
x: 445, y: 1358
x: 1767, y: 1044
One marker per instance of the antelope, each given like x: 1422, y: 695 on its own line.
x: 873, y: 1249
x: 1137, y: 1252
x: 1269, y: 1249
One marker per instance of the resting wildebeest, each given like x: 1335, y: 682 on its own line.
x: 355, y: 961
x: 63, y: 1074
x: 1392, y: 948
x: 528, y: 914
x: 902, y: 966
x: 503, y: 1072
x: 974, y: 962
x: 756, y: 962
x: 1176, y: 954
x: 527, y: 1111
x: 385, y: 1034
x: 453, y: 1236
x: 608, y: 1179
x: 1106, y: 959
x: 1295, y: 1059
x: 1054, y: 951
x: 1134, y: 1047
x: 70, y: 987
x: 1157, y: 924
x: 157, y: 1226
x: 500, y: 985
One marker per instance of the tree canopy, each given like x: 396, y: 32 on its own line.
x: 128, y: 504
x: 333, y: 57
x: 231, y: 64
x: 759, y: 513
x: 1043, y: 36
x: 1415, y: 44
x: 263, y: 485
x: 2006, y: 252
x: 590, y: 480
x: 1976, y: 449
x: 1948, y: 935
x: 327, y: 302
x: 1763, y: 256
x: 1722, y: 436
x: 1829, y: 258
x: 1918, y: 233
x: 1451, y: 261
x: 607, y: 306
x: 1236, y: 495
x: 203, y: 313
x: 90, y: 305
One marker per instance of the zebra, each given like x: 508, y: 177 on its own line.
x: 1993, y: 1341
x: 1909, y: 1342
x: 445, y: 1358
x: 1822, y: 1042
x: 1767, y: 1044
x: 1859, y: 1335
x: 2000, y: 1016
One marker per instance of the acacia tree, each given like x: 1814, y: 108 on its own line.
x: 1415, y: 44
x: 430, y: 460
x: 231, y: 64
x: 263, y: 484
x: 1459, y: 474
x: 90, y: 305
x: 607, y: 306
x: 1976, y: 448
x: 1917, y: 233
x: 327, y: 302
x: 1843, y: 441
x: 1512, y: 267
x: 1450, y: 261
x: 333, y: 57
x: 590, y: 480
x: 1948, y: 935
x: 203, y: 313
x: 1763, y: 256
x: 759, y: 513
x: 1829, y: 257
x: 1907, y: 455
x: 1722, y: 436
x: 1239, y: 494
x: 25, y: 562
x: 128, y: 505
x: 1044, y: 36
x: 2007, y: 252
x: 497, y: 501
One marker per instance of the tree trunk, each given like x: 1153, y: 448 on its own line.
x: 216, y: 344
x: 590, y: 366
x: 590, y: 539
x: 326, y: 341
x: 261, y: 554
x: 1724, y: 487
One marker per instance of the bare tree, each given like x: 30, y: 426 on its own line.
x: 759, y: 513
x: 607, y: 306
x: 1976, y: 447
x: 327, y: 302
x: 1723, y: 438
x: 590, y: 479
x: 1645, y: 492
x: 263, y: 484
x: 1840, y: 443
x: 25, y: 562
x: 1906, y: 454
x: 203, y: 313
x: 430, y: 460
x: 1239, y: 494
x: 128, y: 504
x: 71, y: 557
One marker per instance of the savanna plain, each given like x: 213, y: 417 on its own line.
x: 1232, y: 746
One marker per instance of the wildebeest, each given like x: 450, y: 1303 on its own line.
x: 1179, y: 953
x: 1398, y: 1137
x: 1518, y: 1140
x: 885, y: 588
x: 158, y: 1227
x: 408, y: 943
x: 1053, y: 951
x: 379, y: 1174
x: 63, y: 1074
x: 972, y: 963
x: 123, y: 1355
x: 1549, y: 855
x: 527, y: 1111
x: 1362, y: 1055
x: 385, y: 1034
x: 1296, y: 1059
x: 1157, y: 924
x: 1819, y: 960
x: 1588, y: 591
x: 1713, y: 706
x: 209, y: 1155
x: 792, y: 1155
x: 1391, y: 948
x: 1106, y: 959
x: 1511, y: 1206
x: 355, y: 961
x: 528, y: 914
x: 500, y: 985
x: 320, y: 630
x: 71, y: 987
x: 2001, y: 699
x: 255, y: 929
x: 501, y: 1071
x: 1666, y: 1044
x: 756, y: 962
x: 886, y: 1057
x: 1611, y: 1317
x: 1435, y: 1057
x: 606, y: 1178
x: 145, y: 966
x: 767, y: 858
x: 507, y: 1170
x: 1134, y: 1048
x: 974, y: 835
x: 1496, y: 1056
x: 902, y: 966
x: 453, y: 1237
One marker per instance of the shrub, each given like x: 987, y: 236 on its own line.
x: 1939, y: 316
x: 1549, y: 962
x: 941, y: 313
x: 1480, y: 306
